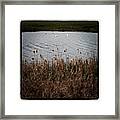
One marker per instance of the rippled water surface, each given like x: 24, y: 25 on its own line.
x: 49, y: 44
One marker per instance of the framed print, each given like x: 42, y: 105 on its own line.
x: 59, y: 60
x: 53, y: 66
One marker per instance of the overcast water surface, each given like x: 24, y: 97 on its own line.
x: 63, y: 44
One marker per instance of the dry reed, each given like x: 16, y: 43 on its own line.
x: 73, y: 79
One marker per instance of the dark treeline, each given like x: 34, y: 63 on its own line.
x: 81, y: 26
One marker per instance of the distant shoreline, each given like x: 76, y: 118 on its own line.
x: 81, y: 26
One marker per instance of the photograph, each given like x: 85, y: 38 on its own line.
x: 59, y: 60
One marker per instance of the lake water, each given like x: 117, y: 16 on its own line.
x: 63, y: 44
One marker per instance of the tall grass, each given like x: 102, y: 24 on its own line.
x: 71, y: 79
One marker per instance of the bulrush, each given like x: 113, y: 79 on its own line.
x: 65, y: 50
x: 76, y: 79
x: 33, y: 51
x: 58, y: 78
x: 32, y: 58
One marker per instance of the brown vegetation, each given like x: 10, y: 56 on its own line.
x: 73, y: 79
